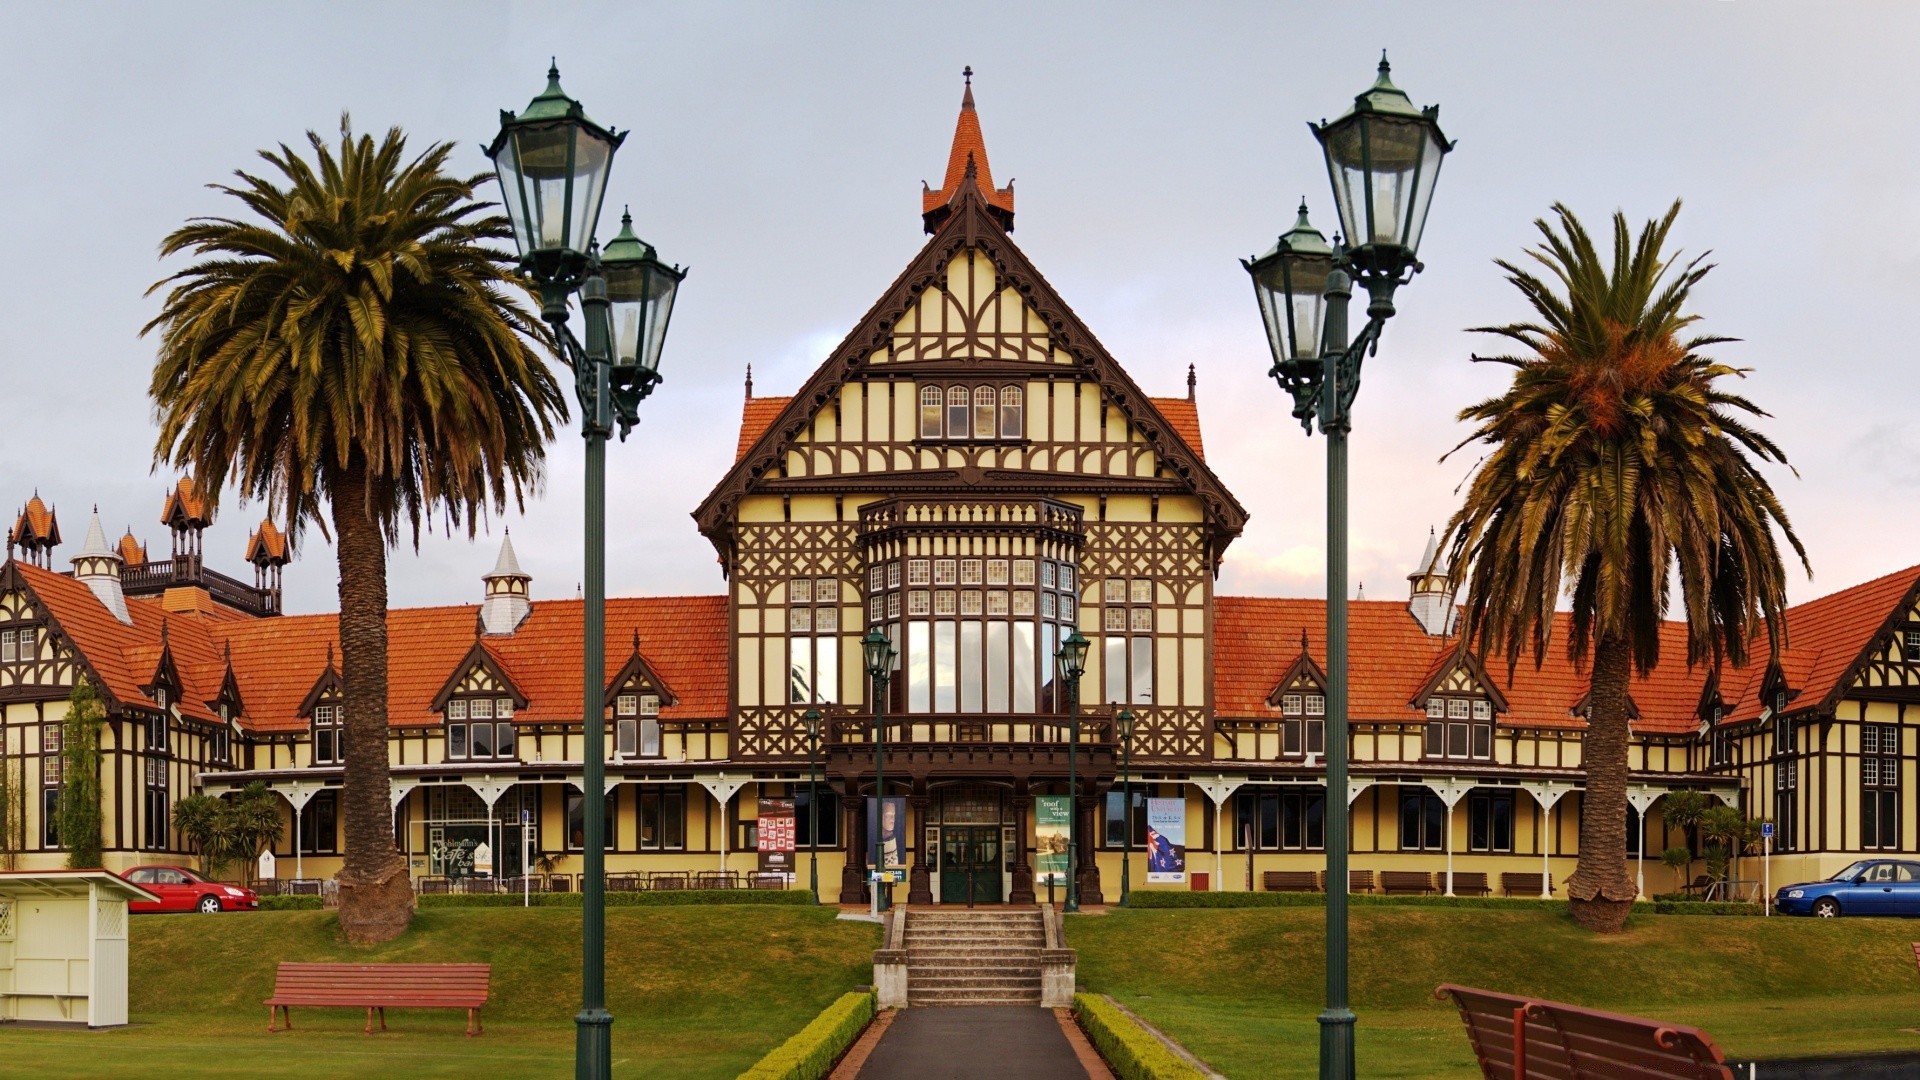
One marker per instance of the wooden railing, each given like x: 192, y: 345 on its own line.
x: 973, y: 729
x: 162, y: 574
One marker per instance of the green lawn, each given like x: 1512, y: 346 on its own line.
x: 1240, y: 988
x: 696, y: 992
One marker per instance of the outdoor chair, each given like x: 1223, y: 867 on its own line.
x: 435, y: 886
x: 715, y: 879
x: 1359, y: 881
x: 769, y: 880
x: 667, y: 879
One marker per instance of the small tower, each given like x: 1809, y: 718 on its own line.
x: 132, y: 551
x: 508, y: 603
x: 966, y: 168
x: 37, y: 532
x: 187, y: 515
x: 267, y: 551
x: 98, y: 568
x: 1430, y: 598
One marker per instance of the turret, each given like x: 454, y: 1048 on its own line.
x: 98, y: 567
x: 37, y: 532
x: 187, y: 515
x: 1430, y: 598
x: 267, y: 551
x: 507, y: 604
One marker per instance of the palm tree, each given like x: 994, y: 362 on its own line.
x: 1616, y: 465
x: 355, y: 352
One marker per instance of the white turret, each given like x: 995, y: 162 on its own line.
x: 98, y: 566
x: 1430, y: 599
x: 507, y: 604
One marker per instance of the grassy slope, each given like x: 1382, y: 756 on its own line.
x: 1241, y: 988
x: 696, y: 992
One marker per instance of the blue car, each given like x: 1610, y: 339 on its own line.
x: 1868, y: 887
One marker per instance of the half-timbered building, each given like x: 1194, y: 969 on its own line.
x: 974, y: 476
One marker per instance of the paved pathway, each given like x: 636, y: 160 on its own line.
x: 981, y: 1042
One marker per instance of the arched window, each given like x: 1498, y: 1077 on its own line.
x: 983, y: 412
x: 1012, y: 423
x: 956, y: 412
x: 930, y: 412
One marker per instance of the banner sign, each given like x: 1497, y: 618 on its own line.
x: 887, y: 819
x: 1167, y: 840
x: 776, y: 835
x: 1051, y: 815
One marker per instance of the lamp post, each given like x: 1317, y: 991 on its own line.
x: 1124, y: 720
x: 1383, y: 157
x: 812, y: 718
x: 1072, y: 658
x: 552, y: 163
x: 879, y: 657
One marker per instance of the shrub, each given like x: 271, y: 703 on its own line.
x: 1158, y: 899
x: 290, y: 903
x: 811, y: 1053
x: 665, y: 897
x: 1132, y: 1051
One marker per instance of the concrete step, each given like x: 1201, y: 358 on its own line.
x: 970, y: 952
x: 1014, y: 980
x: 1031, y: 941
x: 1011, y: 967
x: 951, y: 998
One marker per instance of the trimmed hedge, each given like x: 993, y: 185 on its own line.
x: 1132, y: 1051
x: 290, y: 903
x: 810, y: 1054
x: 1159, y: 899
x: 663, y: 898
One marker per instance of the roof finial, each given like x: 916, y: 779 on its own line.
x: 1303, y: 639
x: 329, y: 654
x: 967, y: 72
x: 749, y: 382
x: 1361, y: 594
x: 636, y: 640
x: 1192, y: 379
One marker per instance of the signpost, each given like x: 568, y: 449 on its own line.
x: 1766, y: 865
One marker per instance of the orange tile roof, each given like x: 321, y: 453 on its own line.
x: 1824, y: 638
x: 968, y: 145
x: 1184, y: 415
x: 124, y: 657
x: 185, y: 500
x: 756, y: 416
x: 37, y: 522
x: 277, y: 661
x: 131, y: 551
x: 266, y: 543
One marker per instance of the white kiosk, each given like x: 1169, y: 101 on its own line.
x: 63, y: 945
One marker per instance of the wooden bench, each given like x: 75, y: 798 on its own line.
x: 1403, y: 882
x: 379, y: 987
x: 1525, y: 885
x: 1291, y: 880
x: 1519, y: 1038
x: 1471, y: 884
x: 1359, y: 881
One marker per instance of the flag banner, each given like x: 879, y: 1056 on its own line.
x: 1051, y: 814
x: 887, y: 818
x: 1167, y: 840
x: 775, y: 835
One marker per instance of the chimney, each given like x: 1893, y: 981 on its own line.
x: 98, y: 567
x: 507, y: 604
x: 1430, y: 599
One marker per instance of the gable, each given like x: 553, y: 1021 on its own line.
x: 1889, y: 667
x: 969, y: 312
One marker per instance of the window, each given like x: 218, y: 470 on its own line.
x: 1912, y: 653
x: 1423, y: 821
x: 1786, y: 782
x: 1490, y: 821
x: 50, y: 816
x: 984, y: 421
x: 813, y: 641
x: 1303, y: 724
x: 319, y: 832
x: 1880, y: 786
x: 576, y: 819
x: 972, y: 412
x: 157, y: 725
x: 1129, y: 659
x: 957, y: 412
x: 487, y: 734
x: 1459, y: 728
x: 815, y: 823
x: 662, y: 818
x: 1280, y: 819
x: 930, y: 427
x: 7, y: 654
x: 961, y: 648
x: 1113, y: 834
x: 637, y: 725
x: 329, y: 737
x: 1013, y: 426
x: 154, y: 828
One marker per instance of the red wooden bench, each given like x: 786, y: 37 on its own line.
x: 1519, y: 1038
x: 379, y: 987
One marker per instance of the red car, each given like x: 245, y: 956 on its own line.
x: 180, y: 889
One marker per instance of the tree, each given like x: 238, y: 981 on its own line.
x: 250, y: 825
x: 1682, y: 810
x: 1679, y: 859
x: 1615, y: 464
x: 77, y: 813
x: 358, y: 354
x: 198, y: 819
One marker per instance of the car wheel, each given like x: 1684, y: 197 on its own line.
x: 209, y: 905
x: 1827, y: 908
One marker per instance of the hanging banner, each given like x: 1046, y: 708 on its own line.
x: 775, y: 835
x: 887, y: 818
x: 1051, y: 815
x: 1167, y: 840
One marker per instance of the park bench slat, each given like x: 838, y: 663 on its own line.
x: 1471, y: 883
x: 1291, y: 881
x: 1524, y: 884
x: 1558, y: 1041
x: 379, y: 987
x: 1405, y: 881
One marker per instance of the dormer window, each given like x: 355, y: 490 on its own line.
x: 329, y: 737
x: 1303, y: 724
x: 479, y: 728
x: 1459, y: 727
x: 637, y: 725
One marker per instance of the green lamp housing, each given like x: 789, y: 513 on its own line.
x: 1123, y: 724
x: 553, y: 163
x: 1383, y: 158
x: 1072, y: 656
x: 812, y: 718
x: 879, y: 653
x: 1290, y: 281
x: 641, y: 289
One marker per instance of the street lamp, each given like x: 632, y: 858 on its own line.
x: 879, y: 655
x: 552, y: 164
x: 812, y: 717
x: 1124, y: 720
x: 1383, y: 157
x: 1072, y: 658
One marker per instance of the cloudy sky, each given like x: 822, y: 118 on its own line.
x: 779, y: 148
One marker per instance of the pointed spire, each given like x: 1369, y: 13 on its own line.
x: 749, y: 382
x: 1428, y: 557
x: 967, y: 168
x: 508, y: 564
x: 329, y: 654
x: 1361, y: 592
x: 1193, y: 380
x: 1430, y: 598
x: 507, y: 602
x: 96, y: 542
x: 98, y: 567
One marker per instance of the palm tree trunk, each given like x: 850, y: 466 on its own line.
x: 1601, y: 892
x: 376, y: 897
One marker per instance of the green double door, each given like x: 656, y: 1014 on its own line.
x: 970, y: 864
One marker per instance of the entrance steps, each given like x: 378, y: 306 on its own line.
x: 974, y: 957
